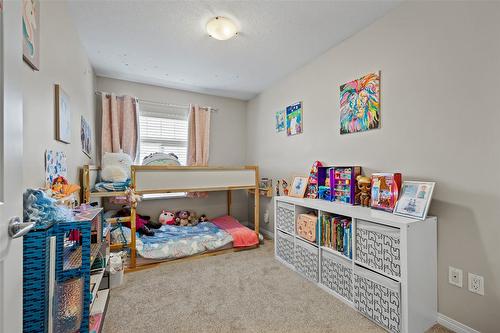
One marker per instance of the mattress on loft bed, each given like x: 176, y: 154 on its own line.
x: 172, y: 242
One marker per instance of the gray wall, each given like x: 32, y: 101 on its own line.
x: 440, y: 64
x: 227, y: 143
x: 63, y: 61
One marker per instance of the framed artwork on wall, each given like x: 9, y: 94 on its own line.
x: 298, y: 187
x: 55, y: 166
x: 415, y: 199
x: 294, y: 119
x: 63, y: 115
x: 31, y: 33
x: 86, y: 137
x: 360, y: 104
x: 280, y: 121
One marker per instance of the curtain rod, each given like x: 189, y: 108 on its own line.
x: 100, y: 93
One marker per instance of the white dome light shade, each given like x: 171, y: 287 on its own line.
x: 221, y: 28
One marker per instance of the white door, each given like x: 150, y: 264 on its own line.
x: 11, y: 153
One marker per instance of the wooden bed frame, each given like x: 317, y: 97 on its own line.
x: 157, y: 179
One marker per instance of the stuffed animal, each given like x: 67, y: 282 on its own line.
x: 167, y: 217
x: 364, y: 187
x: 116, y: 167
x: 183, y: 218
x: 142, y: 222
x: 203, y: 218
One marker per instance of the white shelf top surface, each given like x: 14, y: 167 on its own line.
x: 357, y: 212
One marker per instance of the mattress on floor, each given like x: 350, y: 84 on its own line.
x: 172, y: 242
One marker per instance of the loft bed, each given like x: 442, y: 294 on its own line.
x: 156, y: 179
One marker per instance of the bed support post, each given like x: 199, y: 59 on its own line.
x: 86, y: 183
x: 133, y: 215
x: 229, y: 202
x: 257, y: 202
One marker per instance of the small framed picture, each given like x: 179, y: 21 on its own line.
x: 298, y: 188
x: 415, y: 199
x: 86, y: 137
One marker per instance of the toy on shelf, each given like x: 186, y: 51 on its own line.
x: 312, y: 182
x: 61, y: 188
x: 336, y: 234
x: 306, y: 226
x: 324, y: 189
x: 282, y: 187
x: 385, y: 190
x: 343, y: 184
x: 364, y: 185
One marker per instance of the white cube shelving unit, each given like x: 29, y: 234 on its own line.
x: 392, y: 276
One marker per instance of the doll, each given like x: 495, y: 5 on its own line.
x: 364, y: 187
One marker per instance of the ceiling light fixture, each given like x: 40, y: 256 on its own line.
x: 221, y: 28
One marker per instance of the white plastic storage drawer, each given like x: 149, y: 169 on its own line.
x: 285, y: 217
x: 378, y: 298
x: 336, y: 274
x: 284, y: 247
x: 306, y: 259
x: 378, y: 247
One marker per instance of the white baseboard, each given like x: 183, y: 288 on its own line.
x: 267, y: 233
x: 454, y: 325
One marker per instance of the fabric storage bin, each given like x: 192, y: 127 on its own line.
x: 378, y: 298
x: 306, y: 259
x: 285, y: 217
x: 378, y: 246
x: 284, y: 247
x: 336, y: 274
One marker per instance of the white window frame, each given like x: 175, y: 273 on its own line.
x: 160, y: 111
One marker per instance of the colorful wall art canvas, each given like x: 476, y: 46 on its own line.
x: 55, y: 166
x: 31, y: 33
x: 280, y: 120
x: 294, y: 119
x: 86, y: 137
x: 360, y: 104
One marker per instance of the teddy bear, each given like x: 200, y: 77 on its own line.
x: 364, y: 185
x: 167, y: 217
x: 116, y: 167
x: 183, y: 218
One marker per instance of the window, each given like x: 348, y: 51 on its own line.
x: 164, y: 131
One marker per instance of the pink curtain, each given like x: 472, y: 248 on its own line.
x: 198, y: 136
x: 120, y: 129
x: 198, y: 140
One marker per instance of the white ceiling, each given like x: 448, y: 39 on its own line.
x: 165, y: 43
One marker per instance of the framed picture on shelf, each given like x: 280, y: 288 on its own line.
x: 298, y: 187
x: 415, y: 199
x: 63, y: 115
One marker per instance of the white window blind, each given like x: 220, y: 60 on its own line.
x: 163, y: 130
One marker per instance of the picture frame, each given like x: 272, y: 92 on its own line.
x: 294, y: 119
x: 415, y: 199
x: 86, y: 137
x: 63, y: 115
x: 31, y: 33
x: 298, y: 187
x: 280, y: 121
x: 282, y: 187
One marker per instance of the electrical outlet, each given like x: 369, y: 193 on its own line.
x: 476, y: 284
x: 455, y: 276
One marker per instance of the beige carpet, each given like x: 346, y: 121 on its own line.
x: 245, y: 291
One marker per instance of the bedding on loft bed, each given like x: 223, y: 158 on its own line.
x: 112, y: 187
x: 173, y: 242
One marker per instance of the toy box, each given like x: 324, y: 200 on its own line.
x: 385, y: 190
x: 324, y: 188
x: 306, y: 226
x: 343, y: 184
